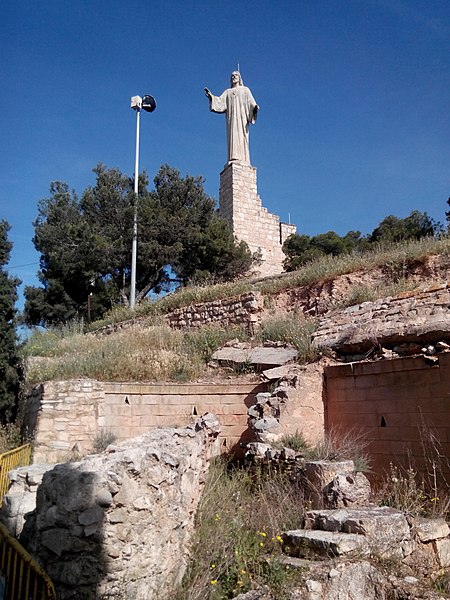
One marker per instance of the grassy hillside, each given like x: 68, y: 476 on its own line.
x: 151, y: 351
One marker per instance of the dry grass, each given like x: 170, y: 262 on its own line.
x: 292, y: 329
x: 156, y: 353
x: 151, y: 351
x: 396, y: 260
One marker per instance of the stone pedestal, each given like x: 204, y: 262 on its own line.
x: 249, y: 220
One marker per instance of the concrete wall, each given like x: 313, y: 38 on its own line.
x: 397, y: 404
x: 65, y: 417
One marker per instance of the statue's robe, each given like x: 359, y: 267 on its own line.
x: 240, y: 109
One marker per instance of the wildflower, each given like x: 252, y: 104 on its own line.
x: 213, y: 581
x: 261, y: 533
x: 261, y: 544
x: 216, y: 517
x: 243, y: 571
x: 212, y: 567
x: 280, y: 539
x: 434, y: 500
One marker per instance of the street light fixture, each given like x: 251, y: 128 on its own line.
x: 147, y: 103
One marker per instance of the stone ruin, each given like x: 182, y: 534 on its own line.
x: 116, y: 524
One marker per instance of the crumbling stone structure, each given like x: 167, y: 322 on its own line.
x: 117, y: 524
x: 249, y: 220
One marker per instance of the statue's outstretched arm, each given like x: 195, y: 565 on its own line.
x: 208, y: 93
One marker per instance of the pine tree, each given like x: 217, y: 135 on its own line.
x: 9, y: 362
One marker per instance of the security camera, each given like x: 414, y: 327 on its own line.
x: 136, y: 103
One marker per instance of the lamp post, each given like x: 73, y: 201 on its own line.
x: 148, y: 103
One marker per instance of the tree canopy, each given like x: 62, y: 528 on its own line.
x: 301, y: 248
x: 85, y: 244
x: 9, y: 361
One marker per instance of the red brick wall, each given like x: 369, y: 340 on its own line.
x: 396, y: 404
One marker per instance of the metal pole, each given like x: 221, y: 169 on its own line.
x: 136, y: 192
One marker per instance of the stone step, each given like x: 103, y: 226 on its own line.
x: 370, y: 521
x: 306, y: 543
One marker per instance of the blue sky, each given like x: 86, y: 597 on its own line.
x: 354, y: 96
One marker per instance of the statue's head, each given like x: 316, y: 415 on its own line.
x: 236, y: 79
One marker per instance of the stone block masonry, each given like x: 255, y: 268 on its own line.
x: 249, y: 220
x: 402, y: 407
x: 65, y: 417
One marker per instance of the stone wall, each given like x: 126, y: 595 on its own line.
x: 65, y: 417
x: 118, y: 524
x: 249, y: 220
x: 245, y: 310
x: 401, y: 405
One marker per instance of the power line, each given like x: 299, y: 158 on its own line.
x: 20, y: 266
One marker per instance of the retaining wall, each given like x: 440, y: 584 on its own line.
x: 401, y: 405
x: 65, y: 417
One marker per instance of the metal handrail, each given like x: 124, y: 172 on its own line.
x: 21, y: 577
x: 18, y: 457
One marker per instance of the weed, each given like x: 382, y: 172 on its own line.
x: 294, y: 441
x: 343, y: 445
x: 244, y: 515
x: 292, y: 329
x: 442, y: 582
x: 103, y: 440
x: 401, y: 490
x: 10, y: 437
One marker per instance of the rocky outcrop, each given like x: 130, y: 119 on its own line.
x: 117, y: 525
x: 416, y: 318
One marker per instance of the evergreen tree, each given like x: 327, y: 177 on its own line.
x: 9, y: 362
x: 85, y: 244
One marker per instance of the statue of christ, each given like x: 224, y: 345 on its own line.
x: 240, y: 109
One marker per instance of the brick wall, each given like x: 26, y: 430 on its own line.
x: 65, y: 417
x: 395, y: 403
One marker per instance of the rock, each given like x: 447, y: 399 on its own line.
x: 133, y: 543
x: 20, y: 499
x: 420, y: 317
x: 257, y: 450
x: 307, y: 543
x: 349, y: 489
x: 442, y: 549
x: 288, y: 373
x: 260, y: 357
x: 320, y: 473
x: 385, y: 528
x: 430, y: 529
x: 267, y: 430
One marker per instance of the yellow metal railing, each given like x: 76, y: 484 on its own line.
x: 19, y: 457
x: 21, y: 578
